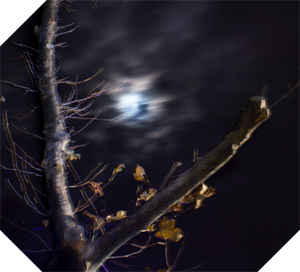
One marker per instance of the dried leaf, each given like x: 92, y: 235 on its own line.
x: 116, y: 170
x: 176, y: 207
x: 187, y: 199
x: 140, y: 174
x: 201, y: 192
x: 167, y: 230
x: 96, y: 188
x: 146, y: 195
x: 118, y: 216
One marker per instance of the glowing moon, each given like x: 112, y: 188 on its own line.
x: 129, y: 102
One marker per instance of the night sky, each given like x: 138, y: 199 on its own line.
x: 187, y: 69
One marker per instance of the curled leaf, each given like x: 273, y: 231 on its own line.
x: 118, y: 216
x: 146, y: 195
x: 140, y: 174
x: 119, y: 168
x: 167, y: 230
x: 116, y: 170
x: 201, y: 192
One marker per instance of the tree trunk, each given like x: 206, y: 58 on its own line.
x: 70, y: 236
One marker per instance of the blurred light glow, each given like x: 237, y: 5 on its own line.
x: 129, y: 102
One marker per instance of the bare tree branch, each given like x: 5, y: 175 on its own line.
x: 255, y: 113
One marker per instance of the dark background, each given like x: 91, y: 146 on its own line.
x: 189, y: 68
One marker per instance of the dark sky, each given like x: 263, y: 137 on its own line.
x: 188, y: 68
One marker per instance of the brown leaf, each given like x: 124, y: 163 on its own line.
x: 96, y: 188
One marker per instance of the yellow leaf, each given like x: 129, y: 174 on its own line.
x: 176, y: 207
x: 167, y: 231
x: 202, y: 191
x: 119, y: 168
x: 140, y: 174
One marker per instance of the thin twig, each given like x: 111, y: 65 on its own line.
x: 131, y: 254
x: 69, y: 31
x: 28, y: 163
x: 285, y: 95
x: 20, y: 171
x: 65, y: 26
x: 77, y: 146
x: 35, y: 197
x: 96, y: 119
x: 29, y: 157
x: 101, y: 92
x: 25, y: 198
x: 86, y: 124
x: 43, y: 242
x: 179, y: 253
x: 18, y: 86
x: 92, y: 171
x: 86, y: 80
x: 195, y: 155
x: 25, y: 114
x: 77, y: 111
x: 23, y: 45
x: 193, y: 268
x: 25, y: 131
x: 174, y: 166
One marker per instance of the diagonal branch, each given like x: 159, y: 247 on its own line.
x: 255, y: 113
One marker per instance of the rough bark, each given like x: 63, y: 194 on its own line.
x: 70, y: 236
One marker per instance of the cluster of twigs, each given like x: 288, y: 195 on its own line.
x: 29, y: 167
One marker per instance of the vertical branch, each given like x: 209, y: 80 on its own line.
x: 68, y: 232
